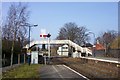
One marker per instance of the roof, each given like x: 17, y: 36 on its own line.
x: 99, y: 47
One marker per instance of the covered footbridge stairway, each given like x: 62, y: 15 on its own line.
x: 78, y: 49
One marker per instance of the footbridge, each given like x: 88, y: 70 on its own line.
x: 67, y: 42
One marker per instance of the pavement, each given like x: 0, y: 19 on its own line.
x: 62, y: 72
x: 107, y: 58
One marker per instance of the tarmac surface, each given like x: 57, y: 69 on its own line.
x: 62, y: 72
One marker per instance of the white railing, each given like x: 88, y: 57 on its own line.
x: 69, y: 42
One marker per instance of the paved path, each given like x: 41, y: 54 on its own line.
x: 106, y: 58
x: 114, y: 60
x: 61, y: 72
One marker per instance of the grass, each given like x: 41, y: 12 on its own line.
x: 24, y: 71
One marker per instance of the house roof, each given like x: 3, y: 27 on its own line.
x: 99, y: 47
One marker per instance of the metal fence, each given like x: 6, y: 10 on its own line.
x: 115, y: 53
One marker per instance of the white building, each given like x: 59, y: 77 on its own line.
x: 63, y: 51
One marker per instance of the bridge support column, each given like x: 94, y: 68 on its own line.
x: 79, y: 54
x: 86, y: 54
x: 43, y: 46
x: 75, y: 54
x: 70, y: 51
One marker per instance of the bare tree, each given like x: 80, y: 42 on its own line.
x: 116, y: 43
x: 18, y: 15
x: 107, y: 38
x: 72, y: 32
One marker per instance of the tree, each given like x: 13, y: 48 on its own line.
x: 72, y: 32
x: 13, y: 30
x: 107, y: 38
x: 115, y: 44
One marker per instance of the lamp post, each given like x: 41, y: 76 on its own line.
x: 93, y: 42
x: 29, y: 25
x: 29, y: 31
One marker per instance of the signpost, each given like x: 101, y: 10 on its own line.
x: 49, y: 46
x: 43, y: 35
